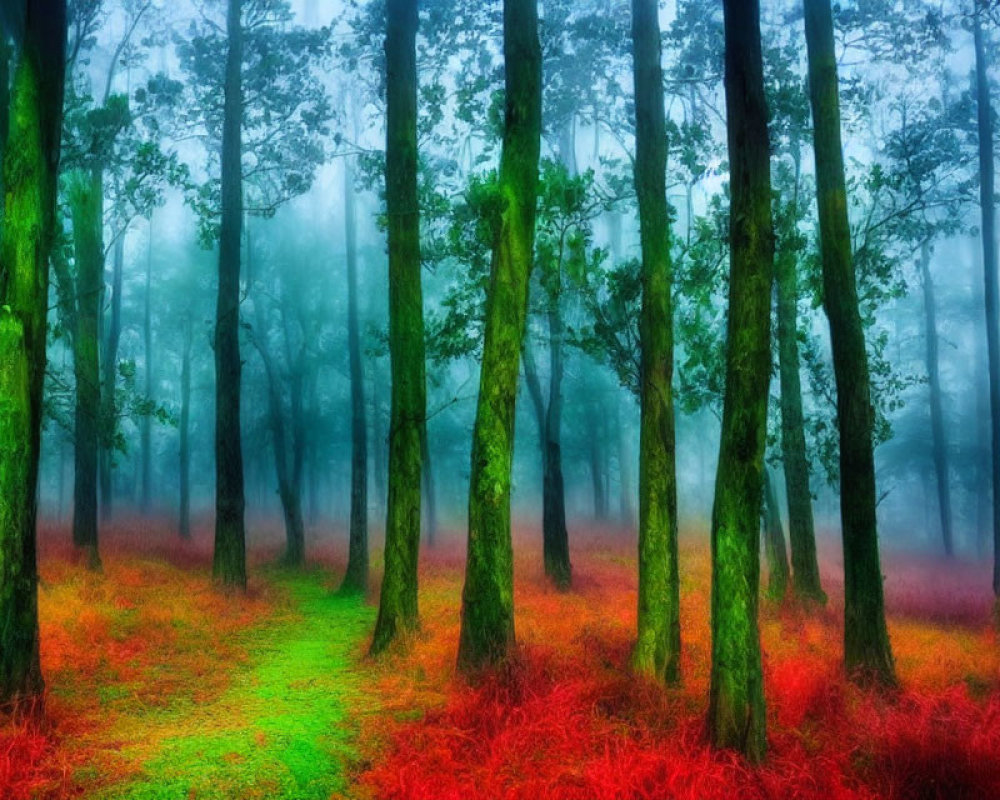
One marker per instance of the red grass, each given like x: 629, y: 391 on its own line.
x: 566, y: 721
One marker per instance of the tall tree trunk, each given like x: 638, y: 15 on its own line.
x: 774, y: 542
x: 31, y: 166
x: 487, y: 632
x: 806, y: 583
x: 356, y: 577
x: 596, y: 460
x: 407, y: 428
x: 5, y: 61
x: 146, y: 431
x: 940, y: 446
x: 109, y: 365
x: 229, y: 565
x: 555, y: 538
x: 86, y: 209
x: 867, y: 653
x: 736, y: 716
x: 987, y: 205
x: 658, y: 644
x: 379, y: 438
x: 184, y: 467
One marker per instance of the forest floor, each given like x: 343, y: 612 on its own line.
x: 161, y: 687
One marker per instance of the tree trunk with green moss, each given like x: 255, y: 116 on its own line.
x: 397, y: 611
x: 229, y: 565
x: 356, y: 577
x: 774, y: 542
x: 867, y: 654
x: 487, y: 632
x: 31, y: 166
x: 736, y: 717
x: 86, y: 195
x: 806, y: 584
x: 5, y: 60
x: 658, y: 644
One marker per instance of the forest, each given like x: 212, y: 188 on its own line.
x: 499, y: 399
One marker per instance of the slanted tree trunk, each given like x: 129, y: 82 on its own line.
x: 146, y: 431
x: 109, y: 366
x: 774, y: 542
x: 736, y: 696
x: 940, y: 446
x: 806, y: 584
x: 658, y: 643
x: 487, y: 631
x: 31, y: 166
x: 229, y: 561
x: 356, y: 577
x: 86, y: 209
x: 867, y: 653
x: 987, y: 204
x: 407, y: 428
x: 184, y: 466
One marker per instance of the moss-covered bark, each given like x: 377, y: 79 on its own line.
x: 774, y: 542
x: 30, y: 167
x: 736, y: 716
x: 229, y: 566
x: 356, y: 576
x: 487, y: 632
x: 867, y: 654
x: 806, y: 584
x: 86, y: 196
x: 407, y: 436
x: 658, y: 644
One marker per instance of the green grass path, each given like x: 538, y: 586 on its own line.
x: 285, y: 728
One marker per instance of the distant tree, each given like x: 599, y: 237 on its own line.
x: 736, y: 696
x: 487, y: 631
x: 398, y: 610
x: 658, y: 644
x: 30, y: 169
x: 867, y: 653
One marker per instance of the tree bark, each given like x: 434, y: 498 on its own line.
x: 407, y: 428
x: 229, y: 561
x: 146, y: 430
x: 658, y: 643
x: 774, y: 542
x: 356, y: 577
x: 940, y: 445
x: 987, y: 190
x: 555, y: 537
x: 867, y: 653
x: 806, y: 584
x: 31, y: 166
x: 184, y: 467
x: 736, y: 696
x: 487, y: 632
x: 109, y: 365
x: 86, y: 209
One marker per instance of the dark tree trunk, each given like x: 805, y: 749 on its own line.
x: 31, y: 167
x: 801, y: 528
x: 658, y: 645
x: 5, y: 61
x: 229, y: 562
x: 487, y: 632
x: 146, y: 431
x: 356, y: 577
x: 407, y: 428
x: 555, y: 538
x: 380, y: 439
x: 736, y: 696
x: 595, y: 460
x: 867, y: 653
x: 987, y: 204
x: 109, y: 365
x: 774, y: 542
x: 86, y: 209
x: 184, y: 467
x: 940, y: 446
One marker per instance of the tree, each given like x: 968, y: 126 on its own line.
x: 867, y: 654
x: 657, y: 651
x: 30, y: 168
x: 487, y: 631
x: 736, y: 695
x: 398, y: 611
